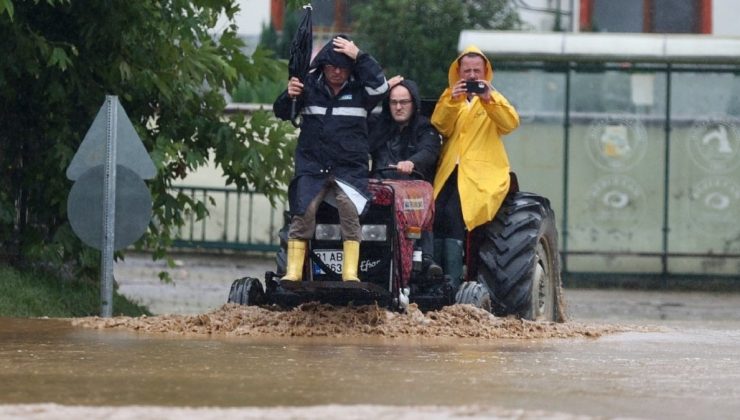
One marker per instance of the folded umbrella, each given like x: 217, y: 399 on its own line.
x: 300, y: 55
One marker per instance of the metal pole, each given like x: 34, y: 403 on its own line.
x: 666, y: 175
x: 566, y: 173
x: 109, y: 210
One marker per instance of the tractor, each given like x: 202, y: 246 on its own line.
x: 512, y: 262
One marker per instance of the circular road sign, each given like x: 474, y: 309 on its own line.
x: 133, y: 207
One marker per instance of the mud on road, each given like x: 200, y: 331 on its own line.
x: 194, y: 303
x: 319, y: 320
x: 201, y: 282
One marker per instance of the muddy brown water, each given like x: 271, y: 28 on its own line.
x: 680, y: 370
x: 623, y: 354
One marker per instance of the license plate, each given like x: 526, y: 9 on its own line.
x: 333, y: 259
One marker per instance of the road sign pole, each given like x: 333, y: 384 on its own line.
x: 109, y: 211
x: 107, y: 171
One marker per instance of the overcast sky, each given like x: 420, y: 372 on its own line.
x: 253, y: 14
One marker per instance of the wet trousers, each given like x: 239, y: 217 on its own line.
x: 448, y: 218
x: 303, y: 226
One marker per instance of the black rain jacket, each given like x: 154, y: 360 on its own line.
x: 334, y: 137
x: 418, y: 142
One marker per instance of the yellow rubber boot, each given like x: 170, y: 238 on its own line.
x: 351, y: 260
x: 296, y: 253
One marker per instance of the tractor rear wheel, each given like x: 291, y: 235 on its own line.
x: 519, y: 262
x: 247, y: 291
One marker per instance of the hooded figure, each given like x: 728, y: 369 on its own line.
x: 416, y: 141
x: 401, y: 135
x: 333, y: 137
x: 472, y: 176
x: 344, y: 84
x: 472, y: 131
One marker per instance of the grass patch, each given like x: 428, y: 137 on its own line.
x: 36, y: 293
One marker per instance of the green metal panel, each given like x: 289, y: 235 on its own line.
x: 640, y: 162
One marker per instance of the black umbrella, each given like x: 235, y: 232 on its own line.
x: 300, y: 55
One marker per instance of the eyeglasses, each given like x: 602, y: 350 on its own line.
x: 402, y: 102
x: 333, y: 68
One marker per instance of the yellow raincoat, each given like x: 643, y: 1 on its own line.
x: 472, y: 132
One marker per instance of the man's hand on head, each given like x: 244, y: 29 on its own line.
x: 346, y: 47
x: 393, y: 81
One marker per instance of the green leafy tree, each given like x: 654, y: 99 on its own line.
x: 279, y: 42
x: 267, y: 88
x: 263, y: 91
x: 418, y: 38
x: 290, y: 26
x: 269, y: 38
x: 169, y: 68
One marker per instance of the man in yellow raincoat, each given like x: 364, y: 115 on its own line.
x: 472, y: 176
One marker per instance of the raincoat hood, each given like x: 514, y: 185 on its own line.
x: 413, y: 90
x: 327, y: 55
x: 453, y: 75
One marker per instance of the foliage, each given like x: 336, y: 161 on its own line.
x: 268, y: 88
x: 264, y: 88
x: 280, y: 42
x: 35, y: 293
x: 169, y: 69
x: 269, y: 39
x: 421, y: 36
x: 263, y: 91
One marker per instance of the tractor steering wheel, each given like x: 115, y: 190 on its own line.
x: 378, y: 171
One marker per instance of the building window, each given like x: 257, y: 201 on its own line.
x: 651, y: 16
x: 672, y: 16
x: 617, y: 16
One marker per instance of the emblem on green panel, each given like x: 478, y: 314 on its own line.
x: 714, y: 204
x: 714, y: 145
x: 616, y: 144
x: 616, y: 200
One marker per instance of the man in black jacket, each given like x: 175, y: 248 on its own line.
x: 403, y: 138
x: 331, y: 158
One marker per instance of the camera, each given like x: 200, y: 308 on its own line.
x: 475, y: 86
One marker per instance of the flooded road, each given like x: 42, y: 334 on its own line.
x: 660, y: 355
x: 683, y: 371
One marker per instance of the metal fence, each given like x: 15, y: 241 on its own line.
x: 635, y: 138
x: 641, y: 163
x: 244, y: 221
